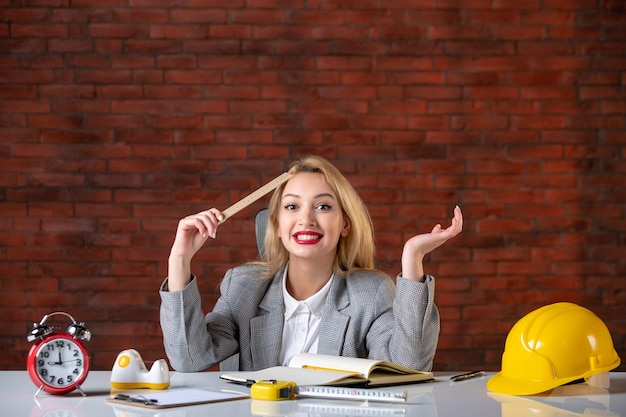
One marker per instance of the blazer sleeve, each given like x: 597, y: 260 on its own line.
x: 408, y: 332
x: 194, y: 342
x: 416, y: 300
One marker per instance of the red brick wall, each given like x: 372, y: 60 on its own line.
x: 117, y: 118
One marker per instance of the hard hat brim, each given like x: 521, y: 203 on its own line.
x: 503, y: 385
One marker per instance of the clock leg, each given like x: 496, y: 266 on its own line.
x: 78, y: 387
x: 38, y: 391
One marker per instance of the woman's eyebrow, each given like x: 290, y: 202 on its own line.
x: 317, y: 196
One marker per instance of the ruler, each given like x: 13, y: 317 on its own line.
x: 347, y: 393
x: 254, y: 196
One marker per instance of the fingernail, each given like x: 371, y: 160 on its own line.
x: 214, y: 234
x: 204, y: 235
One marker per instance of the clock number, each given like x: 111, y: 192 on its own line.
x: 60, y: 381
x: 44, y: 372
x: 75, y: 352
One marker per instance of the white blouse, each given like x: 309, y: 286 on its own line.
x: 302, y: 322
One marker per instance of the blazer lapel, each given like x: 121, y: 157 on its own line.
x: 334, y: 323
x: 267, y: 329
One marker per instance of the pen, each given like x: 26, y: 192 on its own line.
x: 463, y: 377
x: 138, y: 399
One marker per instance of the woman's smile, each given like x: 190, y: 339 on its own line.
x: 307, y: 237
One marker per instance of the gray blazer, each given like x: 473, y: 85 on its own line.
x: 365, y: 315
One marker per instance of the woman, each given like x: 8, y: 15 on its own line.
x: 315, y: 290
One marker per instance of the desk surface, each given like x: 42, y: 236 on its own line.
x: 440, y: 398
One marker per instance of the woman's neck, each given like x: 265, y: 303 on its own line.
x: 306, y: 278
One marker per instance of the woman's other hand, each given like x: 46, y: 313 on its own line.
x: 418, y: 246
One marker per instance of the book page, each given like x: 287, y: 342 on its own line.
x: 329, y: 362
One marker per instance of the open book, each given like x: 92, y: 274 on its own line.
x: 318, y: 369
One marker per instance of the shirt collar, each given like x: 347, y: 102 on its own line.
x: 314, y: 302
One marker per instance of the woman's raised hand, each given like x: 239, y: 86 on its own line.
x: 418, y: 246
x: 191, y: 234
x: 194, y: 230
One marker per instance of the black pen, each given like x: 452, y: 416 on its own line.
x: 138, y: 399
x: 463, y: 377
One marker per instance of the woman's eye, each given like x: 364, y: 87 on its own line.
x: 318, y: 207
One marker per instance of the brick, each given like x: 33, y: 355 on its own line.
x: 192, y: 77
x: 548, y: 93
x: 379, y: 122
x: 104, y: 77
x: 454, y: 32
x: 70, y: 45
x: 369, y: 17
x: 427, y: 123
x: 560, y: 63
x: 489, y: 92
x: 118, y: 30
x: 479, y: 122
x: 44, y: 30
x: 427, y: 92
x: 306, y: 18
x: 25, y: 106
x: 177, y: 122
x: 58, y: 122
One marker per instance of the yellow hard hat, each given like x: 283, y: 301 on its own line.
x: 551, y: 346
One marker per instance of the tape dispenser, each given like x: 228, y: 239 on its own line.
x: 130, y: 372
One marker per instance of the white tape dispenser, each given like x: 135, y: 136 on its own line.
x: 129, y: 372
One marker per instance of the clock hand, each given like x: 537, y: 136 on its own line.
x: 60, y: 361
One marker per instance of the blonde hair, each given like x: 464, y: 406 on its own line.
x: 354, y: 251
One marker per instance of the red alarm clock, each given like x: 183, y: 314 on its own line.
x: 58, y: 362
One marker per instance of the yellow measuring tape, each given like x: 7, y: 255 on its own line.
x: 273, y: 390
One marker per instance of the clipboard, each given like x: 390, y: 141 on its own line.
x: 175, y: 398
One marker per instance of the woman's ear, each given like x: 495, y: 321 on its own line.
x: 346, y: 227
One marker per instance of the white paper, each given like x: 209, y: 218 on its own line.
x: 185, y: 396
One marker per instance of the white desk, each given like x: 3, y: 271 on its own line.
x: 437, y: 399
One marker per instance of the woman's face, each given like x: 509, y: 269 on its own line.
x: 310, y: 219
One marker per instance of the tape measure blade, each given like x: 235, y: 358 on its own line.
x: 330, y: 392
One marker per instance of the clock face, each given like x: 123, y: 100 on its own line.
x: 59, y: 363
